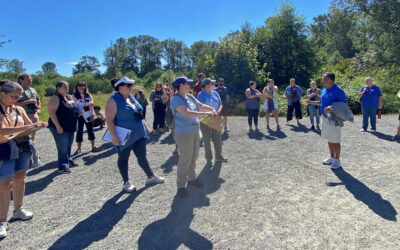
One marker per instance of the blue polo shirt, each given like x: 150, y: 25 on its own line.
x: 370, y: 97
x: 213, y: 99
x: 329, y: 96
x: 183, y: 124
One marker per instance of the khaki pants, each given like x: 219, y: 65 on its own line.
x: 189, y: 146
x: 214, y: 135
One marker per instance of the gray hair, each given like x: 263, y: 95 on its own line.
x: 10, y: 87
x: 368, y: 79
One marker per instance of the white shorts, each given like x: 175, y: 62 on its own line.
x: 266, y: 106
x: 329, y: 131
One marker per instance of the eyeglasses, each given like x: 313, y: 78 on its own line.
x: 81, y: 85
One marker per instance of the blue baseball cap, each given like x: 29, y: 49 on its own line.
x: 180, y: 80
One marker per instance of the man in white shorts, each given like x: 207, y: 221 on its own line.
x: 333, y: 134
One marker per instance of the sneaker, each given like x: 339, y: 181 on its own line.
x: 3, y: 230
x: 318, y: 128
x: 278, y: 127
x: 64, y: 171
x: 312, y: 127
x: 363, y: 130
x: 328, y: 161
x: 22, y: 214
x: 336, y: 164
x: 195, y: 183
x: 268, y: 128
x: 221, y: 159
x: 128, y: 187
x: 182, y: 192
x: 396, y: 138
x: 155, y: 179
x: 373, y: 130
x: 73, y: 164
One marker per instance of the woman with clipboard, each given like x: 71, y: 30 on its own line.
x: 14, y: 155
x: 123, y: 110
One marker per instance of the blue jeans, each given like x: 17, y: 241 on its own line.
x: 10, y: 167
x: 139, y: 148
x: 313, y: 111
x: 64, y: 144
x: 369, y: 112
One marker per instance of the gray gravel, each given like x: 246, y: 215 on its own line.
x: 273, y: 193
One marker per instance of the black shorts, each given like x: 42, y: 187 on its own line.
x: 225, y: 110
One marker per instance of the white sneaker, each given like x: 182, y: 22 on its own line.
x: 328, y: 161
x: 22, y: 214
x: 154, y: 180
x: 336, y: 164
x: 3, y: 230
x: 128, y: 187
x: 363, y: 130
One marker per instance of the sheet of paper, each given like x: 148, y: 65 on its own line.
x: 122, y: 134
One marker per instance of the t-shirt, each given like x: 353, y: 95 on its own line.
x: 211, y: 99
x: 183, y: 124
x: 331, y: 95
x: 196, y: 89
x: 311, y: 91
x: 370, y: 97
x: 295, y: 98
x: 27, y: 94
x: 223, y: 93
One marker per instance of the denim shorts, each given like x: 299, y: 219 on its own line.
x: 10, y: 167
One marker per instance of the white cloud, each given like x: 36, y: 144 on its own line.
x: 72, y: 63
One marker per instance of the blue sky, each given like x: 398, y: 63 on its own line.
x: 63, y: 31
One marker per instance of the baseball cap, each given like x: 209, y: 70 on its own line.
x: 206, y: 81
x: 221, y: 80
x: 180, y: 80
x: 123, y: 80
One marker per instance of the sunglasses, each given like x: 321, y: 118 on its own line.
x: 129, y: 85
x: 81, y: 85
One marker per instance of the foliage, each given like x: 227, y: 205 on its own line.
x: 15, y: 66
x: 48, y: 67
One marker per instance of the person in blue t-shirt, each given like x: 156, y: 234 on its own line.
x: 332, y: 133
x: 186, y: 110
x: 212, y: 99
x: 371, y: 100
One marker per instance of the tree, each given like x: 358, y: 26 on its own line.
x: 131, y: 61
x: 114, y: 57
x: 198, y: 53
x: 15, y: 66
x: 48, y: 67
x: 3, y: 61
x: 282, y: 44
x: 174, y: 55
x: 87, y: 64
x: 149, y: 50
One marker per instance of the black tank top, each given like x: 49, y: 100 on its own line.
x: 66, y: 114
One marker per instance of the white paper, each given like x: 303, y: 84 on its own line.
x: 122, y: 134
x: 86, y: 116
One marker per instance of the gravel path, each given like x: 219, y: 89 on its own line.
x: 273, y: 193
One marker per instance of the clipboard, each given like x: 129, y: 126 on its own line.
x: 32, y: 129
x: 123, y: 135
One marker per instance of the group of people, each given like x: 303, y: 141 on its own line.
x: 189, y: 114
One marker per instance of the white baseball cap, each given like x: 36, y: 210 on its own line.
x: 123, y: 80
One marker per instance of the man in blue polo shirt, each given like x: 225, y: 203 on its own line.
x: 211, y: 98
x: 330, y: 94
x: 371, y: 100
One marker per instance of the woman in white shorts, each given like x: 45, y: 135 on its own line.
x: 271, y: 102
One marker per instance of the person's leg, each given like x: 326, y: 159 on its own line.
x: 155, y: 120
x: 299, y: 114
x: 191, y: 173
x: 372, y: 115
x: 256, y: 112
x: 140, y: 151
x: 331, y: 149
x: 144, y: 112
x: 21, y: 166
x: 5, y: 191
x: 62, y: 141
x: 162, y: 119
x: 336, y: 149
x: 79, y: 133
x: 364, y: 111
x: 267, y: 117
x: 89, y: 128
x: 289, y: 114
x: 216, y: 138
x: 311, y: 111
x: 70, y: 136
x: 275, y: 112
x: 184, y: 142
x: 206, y: 132
x: 317, y: 114
x: 123, y: 157
x: 398, y: 127
x: 249, y: 117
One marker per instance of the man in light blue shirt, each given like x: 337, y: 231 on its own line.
x: 211, y: 98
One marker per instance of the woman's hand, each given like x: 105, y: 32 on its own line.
x: 116, y: 141
x: 327, y: 110
x: 60, y: 130
x: 306, y: 101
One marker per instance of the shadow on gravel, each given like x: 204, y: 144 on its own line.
x: 153, y: 139
x: 258, y: 135
x: 39, y: 185
x: 385, y: 137
x: 174, y: 230
x: 97, y: 226
x: 300, y: 128
x: 172, y: 161
x: 168, y: 139
x: 45, y: 167
x: 91, y: 159
x: 278, y: 133
x: 363, y: 193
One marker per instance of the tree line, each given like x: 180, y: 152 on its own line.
x: 355, y: 39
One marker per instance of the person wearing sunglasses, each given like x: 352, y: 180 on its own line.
x: 84, y: 103
x: 123, y: 110
x: 186, y: 111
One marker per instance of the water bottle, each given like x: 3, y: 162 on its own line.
x: 329, y: 116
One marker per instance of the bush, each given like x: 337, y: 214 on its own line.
x: 50, y: 90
